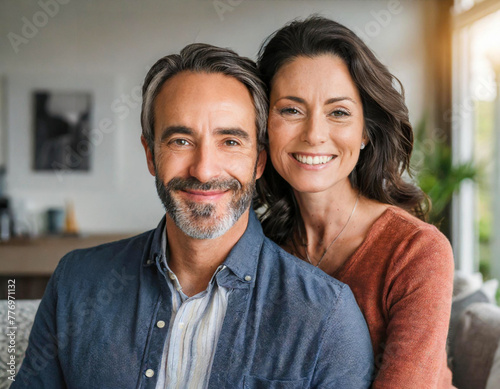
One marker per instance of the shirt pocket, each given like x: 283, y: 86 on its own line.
x: 252, y: 382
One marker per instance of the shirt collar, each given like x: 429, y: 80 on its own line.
x: 242, y: 259
x: 155, y: 251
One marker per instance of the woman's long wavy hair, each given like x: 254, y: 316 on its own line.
x: 379, y: 171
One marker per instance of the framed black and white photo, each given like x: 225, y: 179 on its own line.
x: 62, y: 132
x: 62, y: 125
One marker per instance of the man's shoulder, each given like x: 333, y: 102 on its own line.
x: 118, y: 245
x: 299, y: 274
x: 103, y: 258
x: 291, y: 292
x: 107, y: 251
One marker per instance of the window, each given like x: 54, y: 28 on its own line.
x: 476, y: 133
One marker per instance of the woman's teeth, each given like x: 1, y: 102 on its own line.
x: 308, y: 160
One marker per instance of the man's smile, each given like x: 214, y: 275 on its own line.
x: 203, y: 195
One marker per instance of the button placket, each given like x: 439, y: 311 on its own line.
x: 157, y: 341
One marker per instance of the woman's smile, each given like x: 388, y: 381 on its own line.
x: 310, y: 161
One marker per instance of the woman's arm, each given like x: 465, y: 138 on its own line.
x: 418, y: 291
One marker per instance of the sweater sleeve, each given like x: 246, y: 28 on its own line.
x: 418, y: 295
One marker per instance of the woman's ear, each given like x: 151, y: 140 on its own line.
x: 364, y: 139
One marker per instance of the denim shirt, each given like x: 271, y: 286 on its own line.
x: 288, y: 325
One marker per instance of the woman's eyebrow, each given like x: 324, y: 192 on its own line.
x: 329, y: 101
x: 293, y: 98
x: 337, y: 99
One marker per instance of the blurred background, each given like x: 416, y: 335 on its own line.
x: 72, y: 169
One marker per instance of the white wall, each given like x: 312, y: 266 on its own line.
x: 3, y: 137
x: 110, y: 45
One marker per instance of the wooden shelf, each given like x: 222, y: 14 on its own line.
x: 39, y: 257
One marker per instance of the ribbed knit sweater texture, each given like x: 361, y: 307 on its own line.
x: 402, y: 278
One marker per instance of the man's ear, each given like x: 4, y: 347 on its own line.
x: 261, y: 164
x: 149, y: 156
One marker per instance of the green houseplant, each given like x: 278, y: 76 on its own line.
x: 435, y: 172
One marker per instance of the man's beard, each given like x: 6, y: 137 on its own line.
x: 200, y: 220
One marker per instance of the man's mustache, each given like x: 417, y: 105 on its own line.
x: 192, y: 183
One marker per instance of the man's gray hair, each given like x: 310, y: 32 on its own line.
x: 204, y: 58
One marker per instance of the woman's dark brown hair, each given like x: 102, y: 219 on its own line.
x: 379, y: 171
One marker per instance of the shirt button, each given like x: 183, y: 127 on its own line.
x: 248, y: 278
x: 172, y: 276
x: 150, y: 373
x: 181, y: 325
x: 160, y: 324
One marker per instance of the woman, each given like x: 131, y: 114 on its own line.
x: 340, y: 142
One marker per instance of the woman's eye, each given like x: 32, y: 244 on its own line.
x: 340, y: 113
x: 289, y: 111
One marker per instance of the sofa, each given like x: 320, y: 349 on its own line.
x: 24, y: 313
x: 474, y: 335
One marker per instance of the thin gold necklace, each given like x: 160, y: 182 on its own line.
x: 334, y: 239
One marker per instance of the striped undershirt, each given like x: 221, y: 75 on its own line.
x: 193, y: 333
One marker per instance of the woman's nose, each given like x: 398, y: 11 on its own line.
x: 315, y: 131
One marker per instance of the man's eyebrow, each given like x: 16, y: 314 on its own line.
x: 238, y: 132
x: 173, y: 130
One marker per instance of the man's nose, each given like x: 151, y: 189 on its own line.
x: 206, y: 163
x: 315, y: 130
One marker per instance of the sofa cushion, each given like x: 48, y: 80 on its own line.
x: 494, y: 377
x: 465, y: 283
x: 25, y: 311
x: 485, y: 294
x: 476, y: 339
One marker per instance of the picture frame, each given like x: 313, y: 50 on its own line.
x: 100, y: 144
x: 62, y: 125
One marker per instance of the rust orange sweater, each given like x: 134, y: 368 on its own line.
x: 402, y: 278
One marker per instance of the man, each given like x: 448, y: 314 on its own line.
x: 205, y: 300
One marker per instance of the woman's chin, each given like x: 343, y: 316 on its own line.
x: 309, y: 188
x: 329, y: 184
